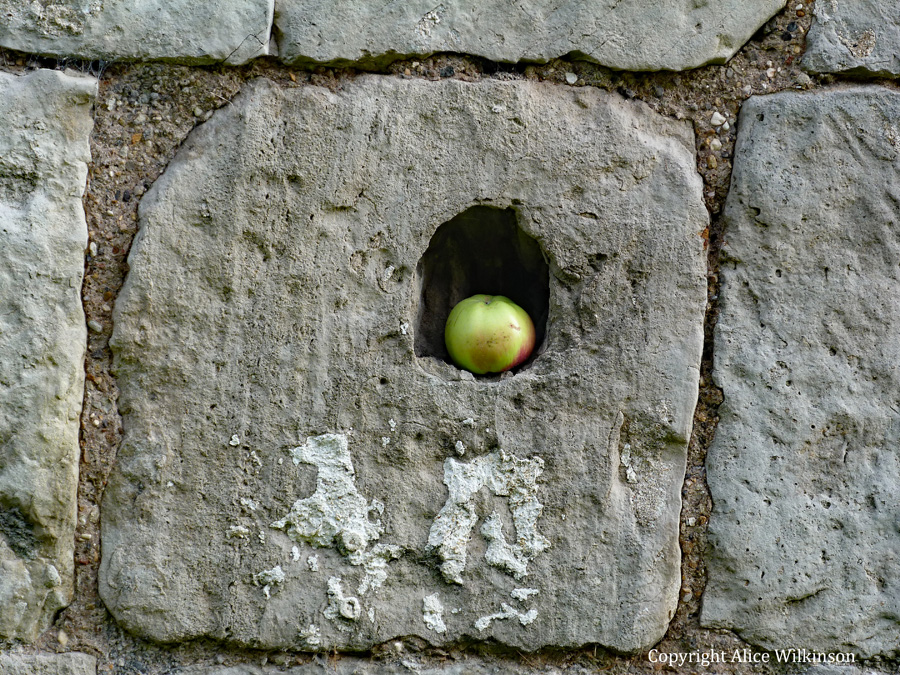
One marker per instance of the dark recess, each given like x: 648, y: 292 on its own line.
x: 18, y: 532
x: 482, y: 250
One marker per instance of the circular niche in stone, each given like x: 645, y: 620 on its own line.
x: 481, y: 250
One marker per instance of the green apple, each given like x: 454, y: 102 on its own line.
x: 488, y: 334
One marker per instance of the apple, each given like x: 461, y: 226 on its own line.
x: 488, y: 334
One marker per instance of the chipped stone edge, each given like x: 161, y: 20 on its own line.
x: 825, y: 37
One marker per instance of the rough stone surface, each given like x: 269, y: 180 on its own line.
x: 48, y: 664
x: 44, y: 127
x: 855, y: 37
x: 804, y: 467
x: 288, y: 460
x: 230, y: 31
x: 834, y: 669
x: 653, y: 35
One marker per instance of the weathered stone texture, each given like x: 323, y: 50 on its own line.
x: 835, y: 669
x: 44, y: 126
x: 184, y: 31
x: 293, y: 476
x: 73, y: 663
x: 855, y: 37
x: 804, y: 468
x: 652, y: 35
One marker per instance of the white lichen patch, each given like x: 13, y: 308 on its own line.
x: 506, y: 476
x: 311, y: 636
x: 433, y: 613
x: 339, y: 605
x: 528, y: 617
x: 335, y: 514
x: 500, y: 553
x: 431, y: 19
x: 506, y: 612
x: 375, y: 563
x: 272, y: 576
x: 630, y: 474
x: 522, y: 594
x: 238, y: 532
x: 269, y: 578
x: 295, y: 554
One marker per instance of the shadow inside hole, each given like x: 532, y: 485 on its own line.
x: 482, y: 250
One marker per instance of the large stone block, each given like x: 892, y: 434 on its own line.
x: 73, y: 663
x: 861, y: 37
x: 301, y: 469
x: 649, y: 35
x: 804, y: 469
x: 184, y: 31
x: 45, y: 121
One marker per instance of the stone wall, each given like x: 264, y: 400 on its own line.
x: 232, y: 441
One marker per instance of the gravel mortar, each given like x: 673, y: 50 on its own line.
x: 145, y: 111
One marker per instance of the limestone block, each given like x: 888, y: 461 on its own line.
x: 646, y: 35
x: 73, y: 663
x: 183, y: 31
x: 804, y: 468
x: 861, y: 37
x: 293, y: 475
x: 45, y: 122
